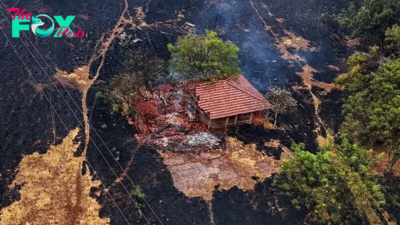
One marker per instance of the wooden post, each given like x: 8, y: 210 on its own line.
x: 236, y: 117
x: 251, y: 118
x: 227, y: 121
x: 209, y: 123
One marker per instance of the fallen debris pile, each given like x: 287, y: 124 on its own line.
x: 202, y: 138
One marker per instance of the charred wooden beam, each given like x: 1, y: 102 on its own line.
x: 251, y: 118
x: 161, y: 129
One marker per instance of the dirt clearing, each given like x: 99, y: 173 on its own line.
x: 198, y: 175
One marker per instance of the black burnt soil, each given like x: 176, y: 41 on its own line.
x: 26, y: 122
x: 261, y: 206
x: 146, y: 171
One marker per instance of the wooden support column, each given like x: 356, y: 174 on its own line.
x: 209, y: 123
x: 236, y: 117
x: 251, y: 118
x: 227, y: 121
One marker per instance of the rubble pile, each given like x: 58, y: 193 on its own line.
x: 202, y: 138
x: 170, y: 121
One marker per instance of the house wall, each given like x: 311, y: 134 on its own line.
x: 221, y: 123
x: 214, y: 124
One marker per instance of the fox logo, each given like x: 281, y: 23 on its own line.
x: 21, y: 23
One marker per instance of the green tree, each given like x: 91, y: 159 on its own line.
x: 393, y: 41
x: 140, y: 197
x: 360, y: 66
x: 139, y: 69
x: 151, y: 69
x: 336, y: 184
x: 372, y: 111
x: 119, y: 93
x: 282, y: 100
x: 369, y: 19
x: 204, y: 57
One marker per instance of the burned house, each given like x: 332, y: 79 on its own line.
x: 179, y: 116
x: 231, y: 101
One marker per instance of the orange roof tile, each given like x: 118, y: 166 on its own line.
x: 229, y: 97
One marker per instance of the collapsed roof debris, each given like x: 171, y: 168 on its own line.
x: 202, y: 138
x: 169, y: 121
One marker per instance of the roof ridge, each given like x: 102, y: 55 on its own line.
x: 226, y: 79
x: 247, y: 92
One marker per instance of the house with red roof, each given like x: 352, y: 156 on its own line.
x: 230, y: 101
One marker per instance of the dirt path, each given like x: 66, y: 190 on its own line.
x: 102, y: 48
x: 80, y: 78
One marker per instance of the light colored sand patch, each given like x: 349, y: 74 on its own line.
x: 78, y: 79
x: 352, y: 42
x: 335, y: 68
x: 54, y: 191
x: 296, y: 42
x: 196, y: 175
x: 321, y: 140
x: 328, y: 87
x: 274, y: 143
x: 307, y: 75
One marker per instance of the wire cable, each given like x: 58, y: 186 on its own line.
x: 133, y: 200
x: 30, y: 73
x: 95, y: 131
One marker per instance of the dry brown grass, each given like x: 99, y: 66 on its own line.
x: 54, y: 191
x: 307, y: 77
x: 79, y: 79
x: 259, y: 120
x: 296, y: 42
x: 292, y: 41
x: 328, y: 87
x: 321, y: 140
x: 196, y: 175
x: 352, y: 42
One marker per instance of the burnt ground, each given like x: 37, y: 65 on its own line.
x: 236, y: 210
x: 26, y: 121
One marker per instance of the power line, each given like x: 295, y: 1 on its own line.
x: 83, y: 126
x: 102, y: 141
x: 133, y: 200
x: 59, y: 117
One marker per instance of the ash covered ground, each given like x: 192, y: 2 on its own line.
x: 270, y: 55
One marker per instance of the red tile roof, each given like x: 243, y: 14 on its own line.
x: 229, y: 97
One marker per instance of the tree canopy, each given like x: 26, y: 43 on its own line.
x: 120, y: 90
x: 282, y: 100
x: 372, y: 111
x: 369, y: 19
x: 150, y: 69
x: 206, y: 57
x: 336, y: 184
x: 392, y: 41
x: 139, y: 69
